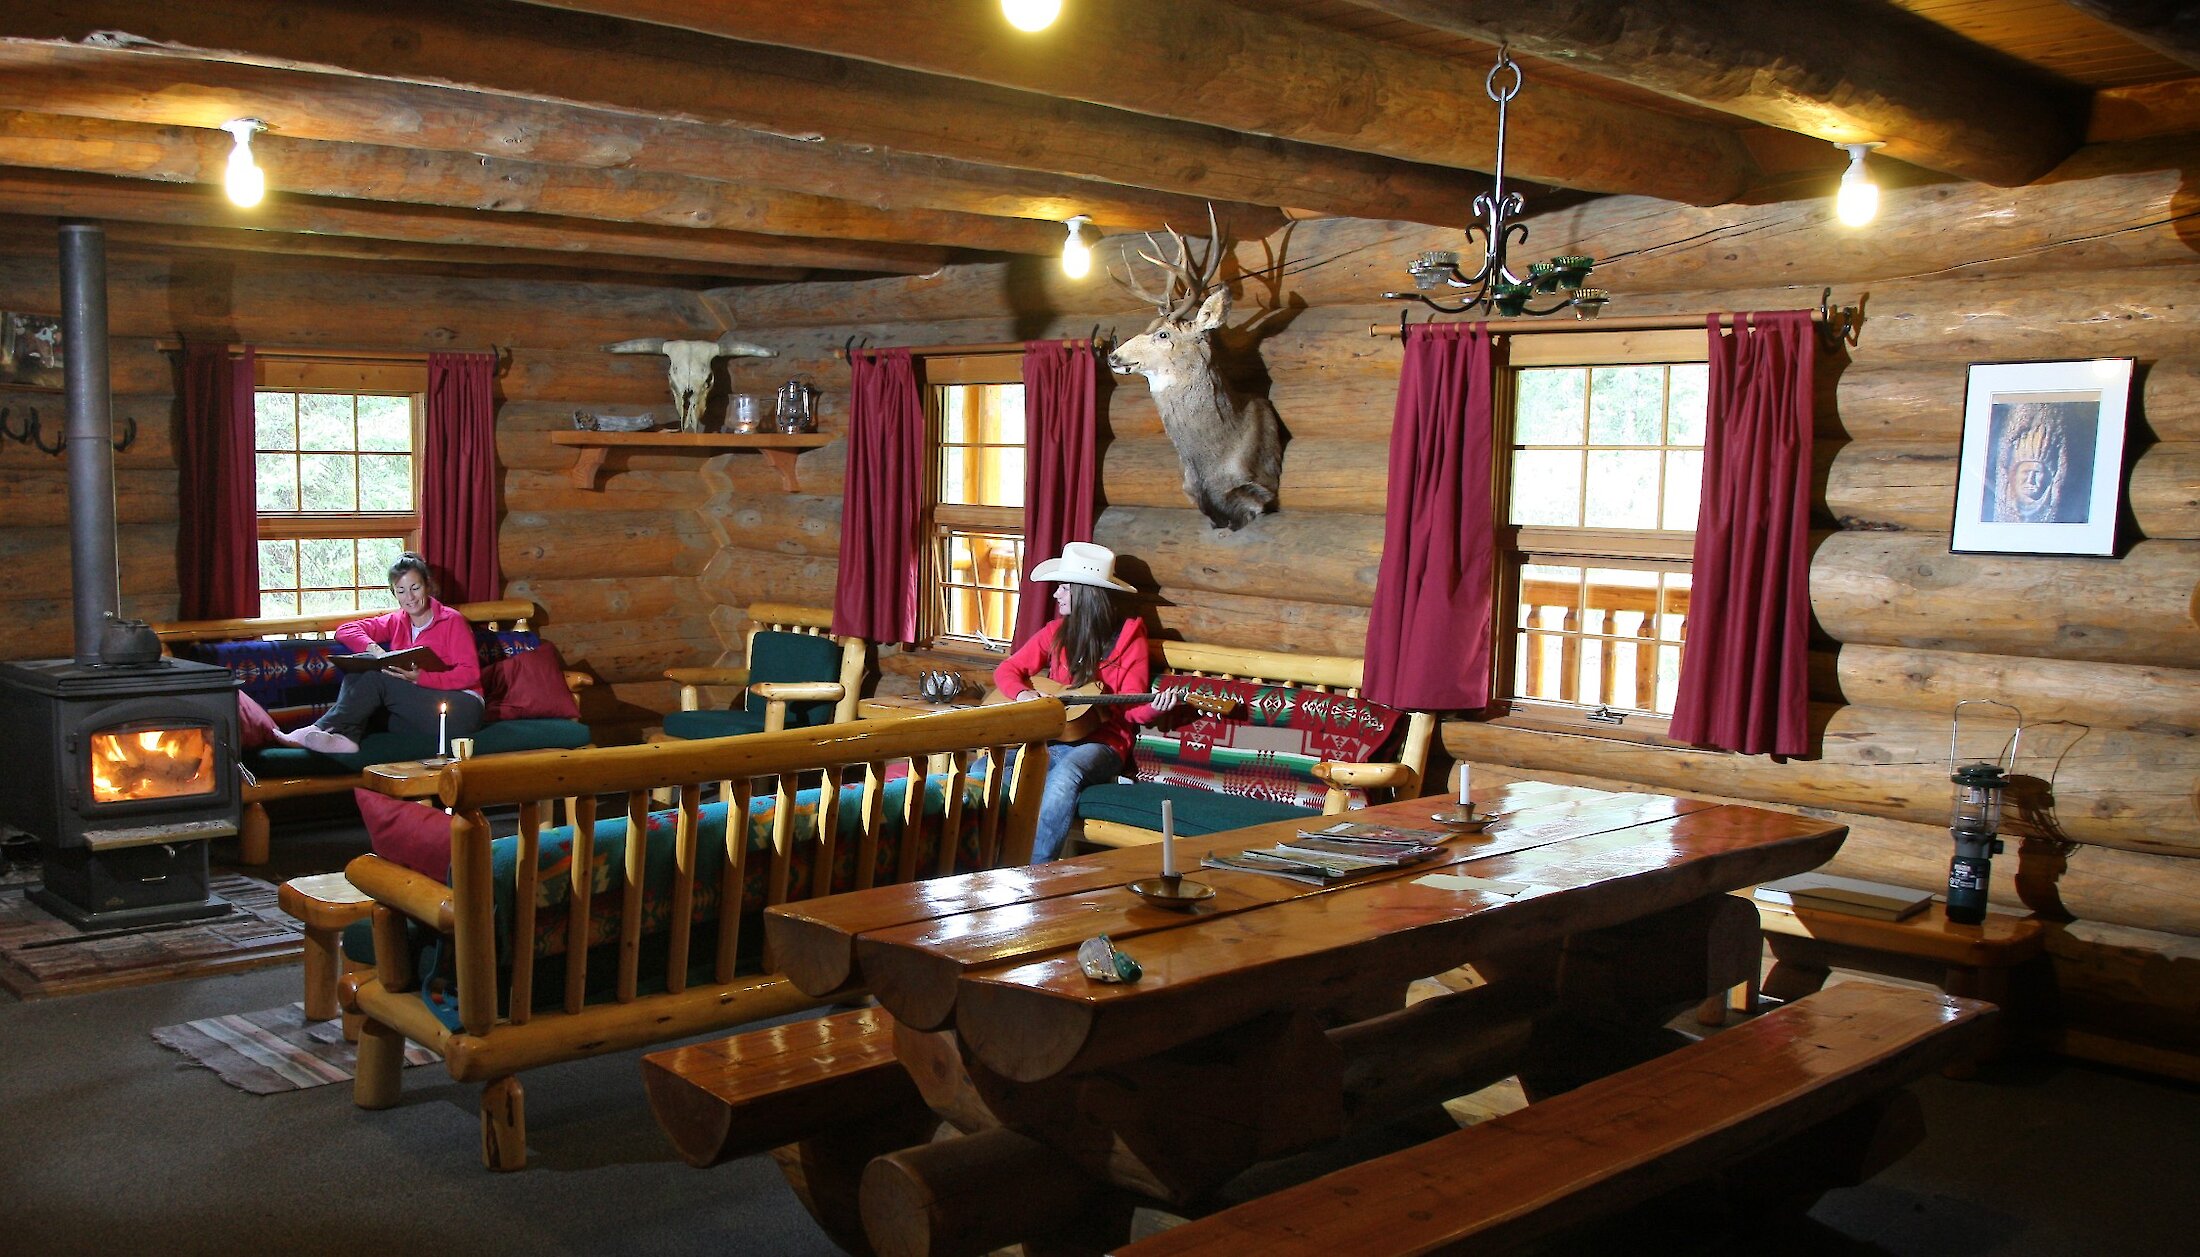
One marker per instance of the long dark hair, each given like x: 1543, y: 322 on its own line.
x: 410, y: 562
x: 1088, y: 631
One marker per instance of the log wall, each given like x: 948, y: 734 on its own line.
x: 2097, y: 259
x: 615, y: 570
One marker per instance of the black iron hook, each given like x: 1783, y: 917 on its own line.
x: 60, y: 443
x: 129, y: 434
x: 29, y: 425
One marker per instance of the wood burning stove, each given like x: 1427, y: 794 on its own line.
x: 122, y: 774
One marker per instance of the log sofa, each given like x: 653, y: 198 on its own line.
x: 1301, y: 743
x: 479, y: 969
x: 283, y: 663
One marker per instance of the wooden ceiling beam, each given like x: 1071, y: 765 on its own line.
x: 1840, y: 70
x: 137, y: 200
x: 426, y: 177
x: 634, y: 68
x: 126, y: 86
x: 2169, y: 27
x: 1223, y: 65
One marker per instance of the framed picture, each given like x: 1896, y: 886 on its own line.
x: 30, y: 350
x: 2043, y: 457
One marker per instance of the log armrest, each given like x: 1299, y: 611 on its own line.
x: 1342, y: 775
x: 417, y: 895
x: 575, y: 682
x: 799, y: 691
x: 692, y: 680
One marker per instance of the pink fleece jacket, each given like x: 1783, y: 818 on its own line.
x: 1127, y: 670
x: 448, y: 635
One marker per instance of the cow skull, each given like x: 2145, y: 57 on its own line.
x: 1230, y: 448
x: 691, y: 363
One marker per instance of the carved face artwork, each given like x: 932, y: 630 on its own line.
x: 2029, y: 473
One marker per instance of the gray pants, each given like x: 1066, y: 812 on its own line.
x: 410, y: 708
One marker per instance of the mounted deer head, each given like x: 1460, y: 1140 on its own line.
x: 1230, y: 447
x: 691, y: 362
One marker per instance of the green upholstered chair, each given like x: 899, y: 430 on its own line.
x: 797, y: 675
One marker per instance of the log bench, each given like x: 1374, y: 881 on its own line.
x: 1307, y: 702
x: 1614, y: 1142
x: 282, y: 661
x: 484, y: 970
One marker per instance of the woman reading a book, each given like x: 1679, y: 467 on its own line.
x: 1090, y: 640
x: 412, y: 698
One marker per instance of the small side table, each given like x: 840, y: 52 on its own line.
x: 325, y: 903
x: 406, y: 778
x: 903, y: 706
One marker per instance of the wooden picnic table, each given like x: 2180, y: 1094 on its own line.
x: 1270, y: 1018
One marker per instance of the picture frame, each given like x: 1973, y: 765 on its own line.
x: 30, y: 350
x: 2042, y: 464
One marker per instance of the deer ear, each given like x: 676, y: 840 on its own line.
x: 1212, y: 311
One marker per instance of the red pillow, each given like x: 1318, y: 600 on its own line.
x: 527, y: 686
x: 408, y: 833
x: 255, y: 728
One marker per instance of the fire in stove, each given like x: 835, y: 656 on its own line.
x: 151, y: 764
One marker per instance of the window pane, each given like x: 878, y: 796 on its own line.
x: 324, y: 422
x: 376, y: 597
x: 278, y: 565
x: 275, y: 482
x: 317, y: 602
x: 1683, y: 489
x: 1549, y: 596
x: 327, y: 563
x: 376, y: 555
x: 1626, y: 405
x: 278, y: 604
x: 1000, y: 475
x: 275, y: 421
x: 1546, y: 487
x: 1549, y: 406
x: 385, y: 482
x: 1673, y: 623
x: 385, y: 423
x: 1623, y: 489
x: 956, y: 401
x: 1669, y: 678
x: 1002, y: 414
x: 1691, y: 385
x: 326, y: 483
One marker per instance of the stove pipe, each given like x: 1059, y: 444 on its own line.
x: 94, y: 569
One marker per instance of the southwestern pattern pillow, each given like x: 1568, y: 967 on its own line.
x: 1268, y: 744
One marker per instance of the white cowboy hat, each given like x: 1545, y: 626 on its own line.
x: 1082, y: 563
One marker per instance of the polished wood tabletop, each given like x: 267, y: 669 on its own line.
x: 992, y: 956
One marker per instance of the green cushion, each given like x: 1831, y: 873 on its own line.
x: 712, y: 724
x: 1197, y: 811
x: 531, y: 734
x: 276, y: 762
x: 793, y: 657
x: 386, y: 747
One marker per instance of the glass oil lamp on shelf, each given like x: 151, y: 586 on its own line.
x: 1494, y: 286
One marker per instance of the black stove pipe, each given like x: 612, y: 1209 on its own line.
x: 94, y: 568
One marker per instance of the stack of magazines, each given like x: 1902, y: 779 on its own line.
x: 1338, y: 853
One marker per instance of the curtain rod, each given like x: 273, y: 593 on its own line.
x: 941, y: 351
x: 1836, y: 324
x: 337, y: 355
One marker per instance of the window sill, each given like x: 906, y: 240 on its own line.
x: 1648, y: 731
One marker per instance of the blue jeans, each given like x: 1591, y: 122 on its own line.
x: 1071, y: 766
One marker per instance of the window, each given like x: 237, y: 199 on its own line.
x: 337, y: 481
x: 1603, y: 474
x: 975, y: 498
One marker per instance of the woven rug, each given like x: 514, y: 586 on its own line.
x: 271, y: 1051
x: 42, y: 955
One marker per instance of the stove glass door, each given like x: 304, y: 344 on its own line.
x: 145, y: 761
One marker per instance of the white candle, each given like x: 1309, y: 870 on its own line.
x: 1463, y: 785
x: 1168, y: 839
x: 442, y: 722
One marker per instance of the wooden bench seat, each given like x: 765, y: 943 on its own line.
x: 1607, y: 1145
x: 753, y: 1092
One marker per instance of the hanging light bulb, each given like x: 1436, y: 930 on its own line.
x: 1031, y: 15
x: 1857, y: 203
x: 1076, y: 254
x: 244, y: 181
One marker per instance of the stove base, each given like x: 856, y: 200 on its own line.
x: 127, y: 887
x: 103, y: 920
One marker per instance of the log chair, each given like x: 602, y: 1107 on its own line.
x: 790, y: 673
x: 485, y: 1011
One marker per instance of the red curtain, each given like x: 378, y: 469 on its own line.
x: 218, y: 533
x: 1061, y: 464
x: 881, y: 504
x: 1428, y: 635
x: 1743, y: 684
x: 458, y: 483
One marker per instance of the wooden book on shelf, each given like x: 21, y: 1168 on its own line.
x: 1824, y: 892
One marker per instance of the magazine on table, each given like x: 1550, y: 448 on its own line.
x: 1324, y: 856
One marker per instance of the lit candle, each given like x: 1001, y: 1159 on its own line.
x: 442, y: 721
x: 1168, y: 839
x: 1463, y: 785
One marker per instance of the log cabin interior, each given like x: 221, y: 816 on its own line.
x: 540, y: 182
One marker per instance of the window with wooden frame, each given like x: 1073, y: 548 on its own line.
x: 1600, y: 474
x: 974, y: 499
x: 336, y: 463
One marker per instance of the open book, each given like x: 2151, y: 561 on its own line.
x: 411, y: 657
x: 1335, y: 854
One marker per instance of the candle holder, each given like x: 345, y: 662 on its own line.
x: 1179, y: 893
x: 1462, y: 817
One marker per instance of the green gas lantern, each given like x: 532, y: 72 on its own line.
x: 1974, y: 821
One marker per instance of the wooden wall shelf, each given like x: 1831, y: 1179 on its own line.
x: 779, y: 449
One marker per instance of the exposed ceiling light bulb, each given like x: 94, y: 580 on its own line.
x: 244, y: 181
x: 1076, y: 254
x: 1031, y: 15
x: 1857, y: 203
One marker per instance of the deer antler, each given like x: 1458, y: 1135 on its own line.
x: 1191, y: 276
